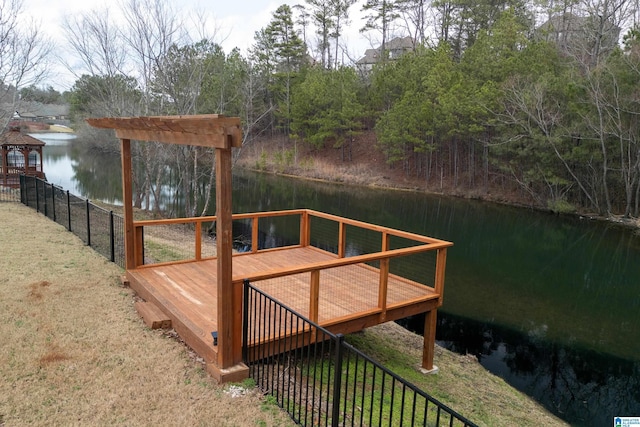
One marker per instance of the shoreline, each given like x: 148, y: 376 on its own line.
x: 615, y: 220
x: 368, y: 168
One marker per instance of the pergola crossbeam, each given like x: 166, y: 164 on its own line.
x: 211, y: 130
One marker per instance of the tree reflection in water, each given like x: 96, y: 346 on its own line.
x: 582, y: 387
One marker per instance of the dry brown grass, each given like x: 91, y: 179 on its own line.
x: 74, y: 351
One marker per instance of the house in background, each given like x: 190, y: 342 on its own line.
x: 394, y: 49
x: 45, y: 113
x: 586, y: 38
x: 36, y: 116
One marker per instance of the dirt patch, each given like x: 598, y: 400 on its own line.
x: 36, y: 289
x: 53, y: 355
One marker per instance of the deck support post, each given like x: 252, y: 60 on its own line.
x: 229, y: 341
x: 229, y: 366
x: 198, y: 248
x: 255, y: 237
x: 342, y: 237
x: 127, y: 205
x: 428, y: 348
x: 431, y: 317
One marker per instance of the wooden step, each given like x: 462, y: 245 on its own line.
x: 153, y: 317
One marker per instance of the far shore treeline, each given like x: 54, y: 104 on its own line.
x: 536, y: 97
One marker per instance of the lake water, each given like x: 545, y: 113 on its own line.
x: 549, y: 303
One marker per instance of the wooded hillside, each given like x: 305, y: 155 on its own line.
x: 538, y: 96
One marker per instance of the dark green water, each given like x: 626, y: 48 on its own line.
x: 550, y: 303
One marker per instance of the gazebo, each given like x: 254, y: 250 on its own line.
x: 21, y: 154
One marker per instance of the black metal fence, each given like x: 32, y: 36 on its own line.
x: 321, y: 380
x: 97, y: 227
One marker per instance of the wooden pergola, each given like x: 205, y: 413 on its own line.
x: 339, y: 291
x: 15, y: 150
x: 214, y: 131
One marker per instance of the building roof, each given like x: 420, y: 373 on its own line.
x: 571, y: 31
x: 13, y: 136
x: 34, y: 110
x: 395, y: 47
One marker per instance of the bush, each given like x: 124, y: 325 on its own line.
x: 560, y: 206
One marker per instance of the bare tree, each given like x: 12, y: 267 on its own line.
x: 380, y: 16
x: 340, y: 21
x: 24, y: 56
x: 537, y: 120
x: 97, y: 43
x: 413, y: 13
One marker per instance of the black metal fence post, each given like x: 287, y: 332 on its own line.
x: 53, y: 202
x: 22, y: 190
x: 88, y: 223
x: 46, y: 202
x: 69, y: 210
x: 112, y: 237
x: 337, y: 381
x: 37, y: 198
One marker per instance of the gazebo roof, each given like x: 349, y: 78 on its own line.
x: 13, y: 137
x: 207, y: 130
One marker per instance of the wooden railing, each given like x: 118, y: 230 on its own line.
x: 381, y: 256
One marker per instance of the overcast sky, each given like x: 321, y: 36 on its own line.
x: 236, y: 21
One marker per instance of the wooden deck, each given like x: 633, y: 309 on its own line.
x: 348, y: 298
x: 199, y: 295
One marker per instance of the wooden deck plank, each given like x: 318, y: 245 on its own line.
x: 348, y: 297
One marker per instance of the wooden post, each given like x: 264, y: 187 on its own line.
x: 382, y: 288
x: 305, y: 229
x: 5, y: 165
x: 428, y: 347
x: 384, y: 279
x: 127, y: 204
x: 255, y: 236
x: 198, y: 242
x: 314, y: 295
x: 441, y: 263
x: 229, y: 310
x: 41, y: 161
x: 138, y: 245
x: 431, y: 317
x: 342, y: 236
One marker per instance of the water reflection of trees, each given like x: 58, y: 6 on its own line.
x: 580, y: 386
x: 97, y: 172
